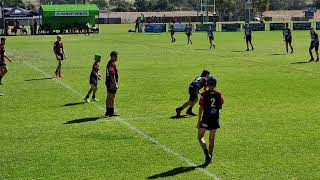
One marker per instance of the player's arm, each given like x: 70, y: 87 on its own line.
x: 221, y: 101
x: 200, y: 115
x: 113, y: 79
x: 200, y: 111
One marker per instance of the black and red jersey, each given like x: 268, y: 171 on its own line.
x: 211, y: 102
x: 2, y: 51
x: 95, y: 69
x: 58, y: 48
x: 112, y: 71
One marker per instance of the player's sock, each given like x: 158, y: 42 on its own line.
x: 178, y: 111
x: 56, y: 73
x: 108, y: 112
x: 60, y: 74
x: 87, y: 97
x: 93, y: 96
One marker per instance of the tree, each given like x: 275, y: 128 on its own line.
x: 121, y: 5
x: 261, y: 5
x: 13, y: 3
x: 102, y: 4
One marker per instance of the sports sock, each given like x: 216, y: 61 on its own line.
x: 93, y: 96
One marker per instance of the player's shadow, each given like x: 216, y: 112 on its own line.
x: 238, y: 51
x: 278, y: 54
x: 202, y: 49
x: 176, y: 171
x: 83, y: 120
x: 179, y: 117
x: 74, y: 104
x: 300, y: 62
x: 39, y: 79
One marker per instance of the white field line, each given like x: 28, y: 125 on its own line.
x: 133, y: 128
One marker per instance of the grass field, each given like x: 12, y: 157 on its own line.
x: 269, y: 123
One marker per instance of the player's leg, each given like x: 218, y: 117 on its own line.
x: 317, y: 52
x: 3, y: 71
x: 290, y: 44
x: 310, y: 52
x: 88, y: 94
x: 190, y: 39
x: 287, y: 44
x: 247, y: 42
x: 211, y: 141
x: 95, y: 89
x: 189, y: 111
x: 203, y: 144
x: 251, y: 44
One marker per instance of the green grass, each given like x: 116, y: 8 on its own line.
x: 270, y: 120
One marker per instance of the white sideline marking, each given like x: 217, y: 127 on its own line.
x: 133, y: 128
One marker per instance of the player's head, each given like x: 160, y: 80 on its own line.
x: 97, y: 58
x: 246, y: 25
x: 311, y: 30
x: 205, y: 73
x: 3, y: 40
x: 114, y: 55
x: 212, y: 82
x: 285, y: 25
x: 59, y: 38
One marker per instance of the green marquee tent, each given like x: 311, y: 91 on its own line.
x: 61, y: 16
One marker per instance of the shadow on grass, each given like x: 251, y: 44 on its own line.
x: 278, y: 54
x: 39, y: 79
x: 74, y: 104
x: 203, y: 49
x: 84, y: 120
x: 179, y: 117
x: 238, y: 51
x: 301, y: 62
x: 1, y: 94
x: 177, y: 171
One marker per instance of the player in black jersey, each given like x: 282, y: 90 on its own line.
x: 172, y: 32
x: 211, y: 102
x: 314, y: 44
x: 194, y: 89
x: 287, y: 36
x: 248, y: 36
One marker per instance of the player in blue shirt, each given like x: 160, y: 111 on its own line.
x: 248, y: 36
x: 287, y: 36
x: 211, y: 37
x: 314, y: 44
x: 188, y: 30
x: 194, y: 89
x: 172, y: 31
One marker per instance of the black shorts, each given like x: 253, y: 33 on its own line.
x: 289, y: 40
x: 210, y: 125
x: 3, y: 63
x: 172, y: 33
x: 188, y: 34
x: 60, y: 57
x: 314, y: 46
x: 211, y: 38
x: 193, y: 92
x: 109, y: 89
x: 93, y: 80
x: 248, y: 38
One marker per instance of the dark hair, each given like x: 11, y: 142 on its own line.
x: 3, y: 39
x: 114, y: 53
x: 205, y: 73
